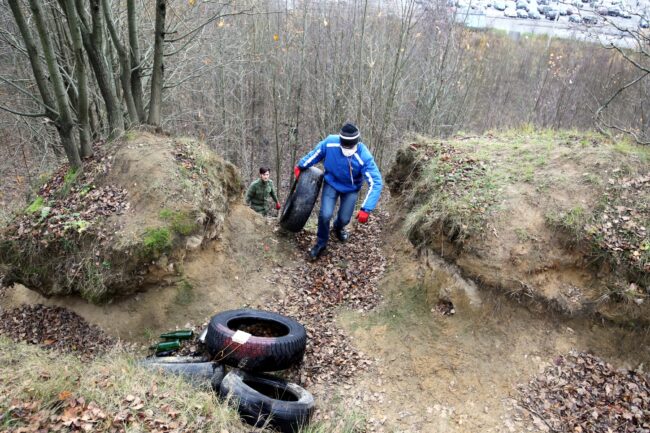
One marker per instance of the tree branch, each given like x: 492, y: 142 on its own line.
x: 19, y: 113
x: 212, y: 19
x: 25, y: 92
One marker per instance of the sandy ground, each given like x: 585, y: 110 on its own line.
x: 432, y: 372
x: 458, y: 373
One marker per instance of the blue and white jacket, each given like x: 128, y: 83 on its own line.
x: 346, y: 174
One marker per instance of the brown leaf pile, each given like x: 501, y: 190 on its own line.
x: 71, y: 207
x: 581, y: 393
x: 54, y: 328
x: 344, y: 276
x: 623, y: 226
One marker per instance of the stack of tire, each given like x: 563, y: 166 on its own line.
x: 256, y: 342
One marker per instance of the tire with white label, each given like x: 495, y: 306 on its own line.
x: 264, y: 400
x: 255, y: 340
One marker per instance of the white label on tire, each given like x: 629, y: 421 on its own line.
x: 241, y: 337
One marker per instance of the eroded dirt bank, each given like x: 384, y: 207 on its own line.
x: 428, y: 372
x: 459, y: 373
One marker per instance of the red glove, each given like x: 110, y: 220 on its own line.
x: 362, y: 217
x: 277, y: 206
x: 296, y: 172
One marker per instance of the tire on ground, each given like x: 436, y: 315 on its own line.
x: 301, y: 200
x: 200, y: 374
x: 264, y: 400
x: 236, y: 338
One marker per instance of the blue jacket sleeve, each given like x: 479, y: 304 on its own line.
x: 313, y: 157
x: 372, y: 176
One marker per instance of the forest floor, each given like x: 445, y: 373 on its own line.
x: 386, y: 354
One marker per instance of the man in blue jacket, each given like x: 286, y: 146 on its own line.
x: 347, y: 162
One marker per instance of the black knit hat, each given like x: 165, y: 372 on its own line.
x: 349, y: 135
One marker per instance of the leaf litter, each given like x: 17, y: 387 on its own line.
x: 582, y: 393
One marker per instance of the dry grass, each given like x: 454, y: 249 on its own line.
x: 113, y: 383
x: 474, y: 182
x: 38, y: 387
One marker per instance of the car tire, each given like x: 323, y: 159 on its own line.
x: 236, y: 338
x: 301, y: 200
x: 264, y: 400
x: 199, y: 374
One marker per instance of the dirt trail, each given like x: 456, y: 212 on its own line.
x: 458, y: 373
x: 432, y: 373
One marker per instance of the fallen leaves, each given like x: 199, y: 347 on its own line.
x: 54, y: 328
x: 581, y: 393
x: 345, y: 276
x: 72, y: 204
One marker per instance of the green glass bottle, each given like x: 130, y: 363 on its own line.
x: 167, y: 345
x: 183, y: 334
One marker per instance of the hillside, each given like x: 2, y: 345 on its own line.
x: 557, y: 218
x: 140, y: 205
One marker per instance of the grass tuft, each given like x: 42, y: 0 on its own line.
x: 156, y: 241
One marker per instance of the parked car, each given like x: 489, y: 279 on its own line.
x: 590, y: 20
x: 552, y: 14
x: 534, y: 15
x: 602, y: 10
x: 543, y: 9
x: 624, y: 14
x: 577, y: 19
x: 522, y: 13
x: 510, y: 13
x: 644, y: 23
x: 499, y: 5
x: 521, y: 4
x: 613, y: 11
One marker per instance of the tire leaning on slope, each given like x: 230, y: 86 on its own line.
x: 263, y: 399
x: 228, y: 343
x: 301, y: 200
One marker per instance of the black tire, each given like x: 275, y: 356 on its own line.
x: 301, y: 200
x: 176, y: 359
x: 264, y: 400
x: 229, y: 341
x: 201, y: 374
x: 217, y: 377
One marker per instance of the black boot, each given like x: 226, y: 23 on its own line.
x: 316, y: 251
x: 342, y: 234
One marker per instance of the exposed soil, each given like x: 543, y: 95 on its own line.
x: 240, y: 270
x: 459, y: 373
x: 429, y: 369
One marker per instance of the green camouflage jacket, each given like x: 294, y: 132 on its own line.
x: 258, y: 194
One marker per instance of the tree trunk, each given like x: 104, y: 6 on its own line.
x: 93, y: 42
x: 155, y: 102
x: 64, y: 122
x: 136, y: 67
x: 125, y: 65
x: 37, y: 67
x: 82, y: 81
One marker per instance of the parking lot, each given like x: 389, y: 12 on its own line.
x: 597, y: 21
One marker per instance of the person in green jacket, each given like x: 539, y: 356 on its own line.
x: 258, y: 193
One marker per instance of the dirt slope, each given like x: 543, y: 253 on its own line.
x: 125, y: 222
x: 554, y: 218
x: 233, y: 272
